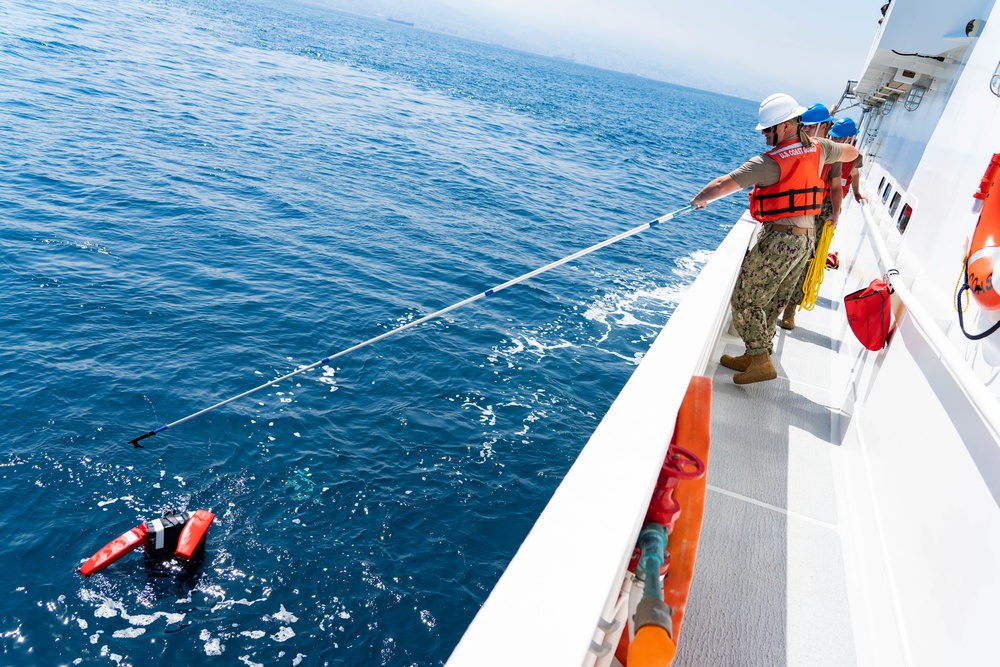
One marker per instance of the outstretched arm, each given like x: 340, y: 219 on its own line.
x: 720, y: 187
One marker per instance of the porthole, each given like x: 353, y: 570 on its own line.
x: 886, y: 193
x: 881, y: 184
x: 904, y: 218
x: 894, y: 205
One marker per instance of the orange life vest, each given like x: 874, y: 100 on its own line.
x: 846, y: 180
x: 799, y: 190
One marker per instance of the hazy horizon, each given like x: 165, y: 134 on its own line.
x: 677, y: 43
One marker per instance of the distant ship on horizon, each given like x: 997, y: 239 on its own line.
x: 401, y: 22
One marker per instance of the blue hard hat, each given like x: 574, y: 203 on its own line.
x: 844, y: 127
x: 817, y: 113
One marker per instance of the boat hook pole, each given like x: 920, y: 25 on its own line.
x: 425, y: 318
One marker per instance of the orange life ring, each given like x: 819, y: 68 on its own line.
x: 984, y: 252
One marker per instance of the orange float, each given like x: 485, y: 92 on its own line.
x: 651, y: 645
x: 694, y: 423
x: 193, y: 534
x: 113, y: 551
x: 173, y: 534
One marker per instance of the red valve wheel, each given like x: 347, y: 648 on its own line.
x: 682, y: 464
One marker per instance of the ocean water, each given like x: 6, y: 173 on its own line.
x: 199, y: 196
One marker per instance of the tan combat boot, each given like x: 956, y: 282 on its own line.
x: 760, y: 369
x: 740, y: 363
x: 787, y: 320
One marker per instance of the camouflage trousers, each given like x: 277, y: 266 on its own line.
x: 818, y: 221
x: 770, y: 273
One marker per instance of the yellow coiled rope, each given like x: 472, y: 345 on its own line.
x: 816, y: 268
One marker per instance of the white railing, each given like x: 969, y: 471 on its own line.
x: 568, y: 572
x: 981, y: 399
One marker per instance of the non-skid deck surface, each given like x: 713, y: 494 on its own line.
x: 770, y: 586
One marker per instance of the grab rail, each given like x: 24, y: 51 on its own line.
x: 984, y: 402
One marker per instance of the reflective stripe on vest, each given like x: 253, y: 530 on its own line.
x: 798, y: 192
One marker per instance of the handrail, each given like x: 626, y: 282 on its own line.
x: 984, y: 402
x: 881, y: 251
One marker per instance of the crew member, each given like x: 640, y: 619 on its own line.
x: 843, y: 132
x: 817, y: 121
x: 788, y: 192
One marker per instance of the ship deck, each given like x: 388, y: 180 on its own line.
x: 773, y: 583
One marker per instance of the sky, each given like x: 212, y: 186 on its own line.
x: 747, y: 48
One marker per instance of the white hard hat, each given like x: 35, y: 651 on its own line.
x: 777, y: 109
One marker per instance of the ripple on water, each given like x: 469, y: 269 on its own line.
x: 206, y: 195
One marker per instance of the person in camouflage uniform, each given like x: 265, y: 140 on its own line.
x: 767, y: 279
x: 787, y: 195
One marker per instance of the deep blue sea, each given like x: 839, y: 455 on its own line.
x: 197, y: 196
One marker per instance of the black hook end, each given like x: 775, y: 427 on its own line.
x: 135, y: 441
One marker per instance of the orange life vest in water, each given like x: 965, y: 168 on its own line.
x: 798, y: 192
